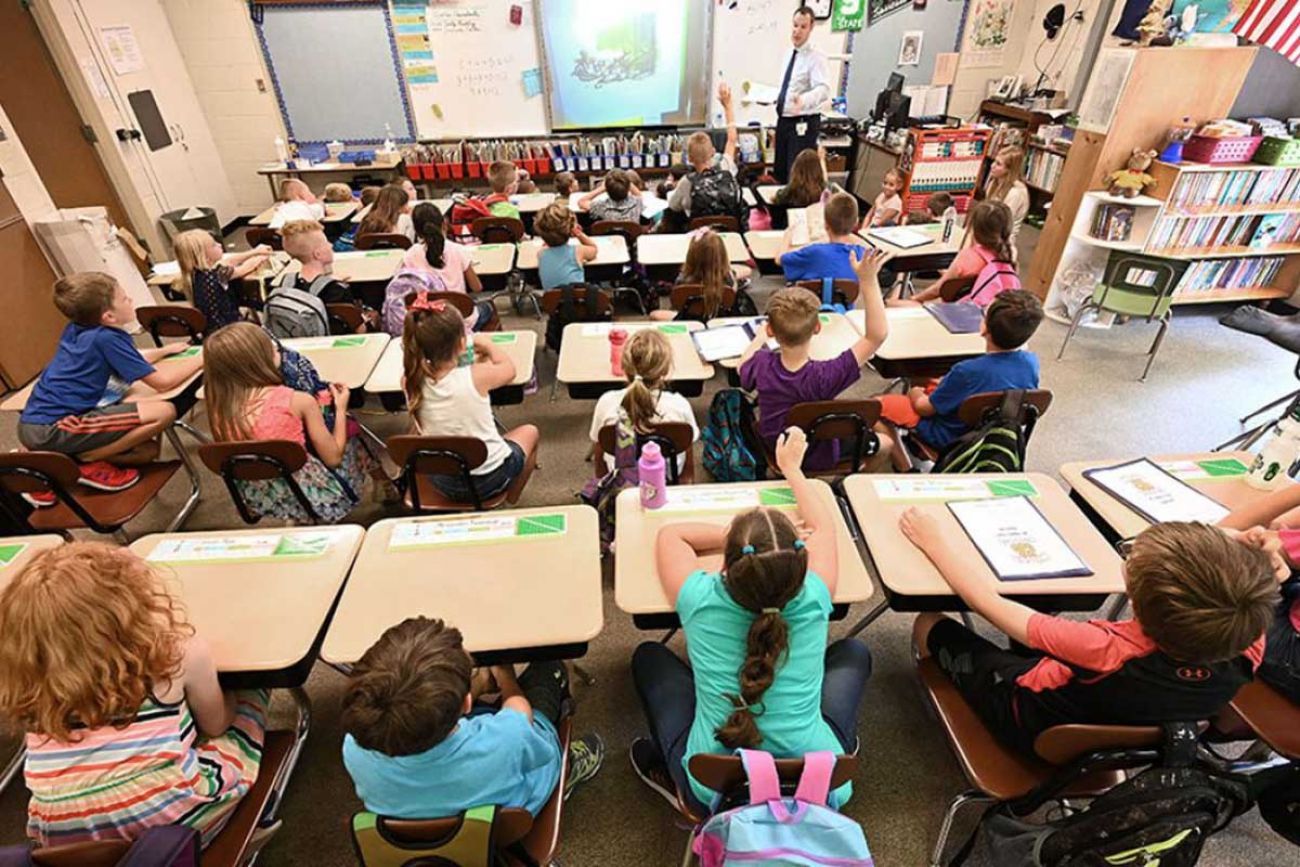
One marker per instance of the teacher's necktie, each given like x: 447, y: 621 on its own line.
x: 785, y: 85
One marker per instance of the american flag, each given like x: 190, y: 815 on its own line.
x: 1275, y: 24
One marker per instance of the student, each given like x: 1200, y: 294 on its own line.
x: 560, y: 263
x: 527, y: 186
x: 831, y: 259
x: 411, y: 195
x: 807, y: 181
x: 247, y: 399
x: 126, y: 725
x: 347, y: 241
x: 305, y: 241
x: 788, y: 376
x: 449, y: 399
x: 888, y: 208
x: 622, y: 201
x: 935, y: 207
x: 451, y: 262
x: 648, y: 366
x: 390, y: 214
x: 420, y: 745
x: 761, y: 675
x: 1005, y: 185
x: 207, y: 271
x: 710, y: 189
x: 337, y: 193
x: 566, y: 184
x: 708, y: 265
x: 74, y: 407
x: 1201, y: 602
x: 1009, y: 322
x: 297, y: 202
x: 503, y: 177
x: 989, y: 224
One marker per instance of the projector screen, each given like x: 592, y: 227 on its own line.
x: 614, y: 63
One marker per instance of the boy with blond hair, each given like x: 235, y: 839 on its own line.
x: 337, y: 193
x: 710, y: 188
x: 503, y: 177
x: 831, y: 259
x: 789, y: 375
x: 305, y: 241
x: 297, y: 202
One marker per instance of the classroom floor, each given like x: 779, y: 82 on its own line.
x: 1205, y: 377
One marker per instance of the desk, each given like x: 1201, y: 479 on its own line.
x: 167, y: 273
x: 836, y: 335
x: 1117, y: 520
x: 521, y: 346
x: 348, y: 359
x: 913, y: 584
x: 264, y: 616
x: 636, y: 579
x: 767, y: 192
x: 584, y: 358
x: 443, y: 205
x: 492, y: 259
x: 335, y: 212
x: 363, y: 266
x: 531, y: 203
x: 12, y: 561
x: 918, y: 345
x: 654, y: 250
x: 523, y: 592
x: 611, y: 250
x: 391, y: 164
x: 766, y: 243
x: 137, y: 393
x: 651, y: 205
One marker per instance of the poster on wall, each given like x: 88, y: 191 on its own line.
x: 909, y: 49
x: 878, y: 9
x: 988, y: 27
x: 1109, y: 75
x: 849, y: 14
x: 1212, y: 16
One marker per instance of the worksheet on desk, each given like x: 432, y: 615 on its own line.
x: 1016, y: 540
x: 1155, y: 493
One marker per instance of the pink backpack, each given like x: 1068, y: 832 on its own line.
x: 993, y: 279
x: 404, y: 282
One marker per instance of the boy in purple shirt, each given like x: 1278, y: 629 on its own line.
x: 789, y: 375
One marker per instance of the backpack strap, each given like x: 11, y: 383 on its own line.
x: 828, y: 291
x: 815, y: 782
x: 319, y: 284
x: 1013, y: 404
x: 760, y: 770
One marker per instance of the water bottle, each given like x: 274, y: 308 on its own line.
x: 653, y: 476
x: 281, y: 151
x: 949, y: 223
x: 1274, y: 460
x: 617, y: 337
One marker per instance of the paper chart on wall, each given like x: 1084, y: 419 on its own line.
x: 1016, y: 540
x: 1156, y: 494
x: 988, y: 27
x: 122, y: 49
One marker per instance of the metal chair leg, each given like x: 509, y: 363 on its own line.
x: 194, y: 432
x: 193, y: 500
x: 967, y: 620
x: 1074, y: 326
x: 1286, y: 398
x: 301, y: 729
x: 14, y: 767
x: 870, y: 617
x: 971, y: 796
x: 1155, y: 345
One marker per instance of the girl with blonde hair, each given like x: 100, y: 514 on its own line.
x: 126, y: 725
x: 248, y: 400
x: 207, y: 272
x: 1005, y: 185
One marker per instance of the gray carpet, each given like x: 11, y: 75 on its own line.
x: 1205, y: 377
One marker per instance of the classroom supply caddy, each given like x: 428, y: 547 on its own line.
x: 942, y: 160
x: 1209, y: 149
x: 1275, y: 151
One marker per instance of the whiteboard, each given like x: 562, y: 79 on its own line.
x: 321, y: 98
x: 480, y: 57
x: 752, y: 41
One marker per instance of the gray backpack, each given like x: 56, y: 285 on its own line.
x: 294, y: 312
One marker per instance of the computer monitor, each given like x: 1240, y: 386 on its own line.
x: 895, y: 82
x: 887, y: 99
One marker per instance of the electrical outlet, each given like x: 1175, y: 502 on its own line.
x: 261, y: 84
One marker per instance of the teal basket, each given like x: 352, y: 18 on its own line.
x: 1276, y: 151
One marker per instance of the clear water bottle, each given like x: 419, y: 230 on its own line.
x: 1278, y: 454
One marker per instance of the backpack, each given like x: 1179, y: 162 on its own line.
x: 726, y: 454
x: 1279, y: 804
x: 602, y: 493
x: 772, y: 829
x: 715, y: 192
x: 993, y: 279
x: 294, y: 312
x: 829, y: 305
x: 569, y: 312
x: 404, y: 282
x: 162, y: 846
x: 464, y: 211
x: 996, y: 446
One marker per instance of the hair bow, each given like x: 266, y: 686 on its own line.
x: 422, y: 302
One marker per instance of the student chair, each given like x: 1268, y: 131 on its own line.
x: 1134, y: 285
x: 673, y: 438
x: 978, y: 409
x: 345, y: 318
x: 552, y: 298
x: 629, y: 232
x: 257, y: 235
x: 717, y: 222
x: 688, y: 299
x: 482, y: 836
x: 497, y: 230
x: 842, y: 291
x: 465, y: 305
x: 172, y: 320
x: 258, y: 460
x: 1272, y: 717
x: 78, y: 506
x: 382, y: 241
x: 421, y: 456
x: 850, y: 422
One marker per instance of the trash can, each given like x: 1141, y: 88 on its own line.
x: 175, y: 222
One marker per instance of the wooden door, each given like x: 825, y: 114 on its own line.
x: 25, y: 297
x: 46, y: 120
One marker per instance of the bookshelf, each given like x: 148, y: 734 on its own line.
x: 1043, y: 166
x: 942, y: 160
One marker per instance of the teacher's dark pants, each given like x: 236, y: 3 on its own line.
x: 789, y: 143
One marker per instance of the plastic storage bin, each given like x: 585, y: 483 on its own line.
x: 1207, y: 149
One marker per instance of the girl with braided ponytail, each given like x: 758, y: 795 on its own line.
x: 760, y: 673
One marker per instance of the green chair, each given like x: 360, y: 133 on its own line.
x: 1134, y: 285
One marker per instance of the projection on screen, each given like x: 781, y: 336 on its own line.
x: 615, y: 63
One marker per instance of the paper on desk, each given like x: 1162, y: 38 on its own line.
x: 729, y: 341
x: 167, y: 269
x: 705, y: 498
x: 319, y: 343
x: 10, y: 553
x: 1016, y: 540
x: 917, y: 312
x: 477, y: 529
x: 268, y: 546
x: 808, y: 225
x: 601, y: 329
x: 901, y: 236
x: 1155, y: 494
x: 948, y: 489
x: 1209, y: 468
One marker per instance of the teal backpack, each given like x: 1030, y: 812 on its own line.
x: 727, y: 456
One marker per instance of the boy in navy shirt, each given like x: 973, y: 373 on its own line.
x: 1009, y: 322
x: 829, y: 259
x: 76, y: 406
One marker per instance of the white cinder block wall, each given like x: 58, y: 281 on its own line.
x: 219, y: 45
x: 20, y: 177
x: 971, y: 84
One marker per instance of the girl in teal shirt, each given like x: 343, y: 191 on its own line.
x: 760, y: 673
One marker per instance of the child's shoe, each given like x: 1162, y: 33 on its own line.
x: 41, y: 499
x: 650, y: 767
x: 586, y: 754
x: 103, y: 476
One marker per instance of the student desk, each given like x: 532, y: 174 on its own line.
x: 1117, y: 521
x: 137, y: 393
x: 836, y: 335
x: 584, y: 358
x: 660, y: 250
x: 611, y: 256
x: 767, y: 192
x: 531, y: 203
x: 346, y: 358
x: 166, y: 274
x: 651, y: 205
x: 766, y: 243
x: 521, y: 585
x: 492, y: 260
x: 918, y: 345
x: 263, y: 611
x: 519, y: 345
x: 335, y: 212
x: 443, y: 205
x: 390, y: 164
x: 913, y: 584
x: 636, y: 578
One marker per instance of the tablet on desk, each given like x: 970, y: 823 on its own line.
x: 727, y: 341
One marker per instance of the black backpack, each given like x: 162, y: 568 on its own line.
x: 1279, y: 804
x: 569, y: 312
x: 996, y: 446
x: 715, y: 192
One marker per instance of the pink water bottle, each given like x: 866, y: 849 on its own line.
x: 653, y: 474
x: 617, y: 337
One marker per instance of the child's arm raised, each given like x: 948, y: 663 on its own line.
x: 875, y: 322
x: 729, y: 113
x: 1265, y: 510
x: 584, y: 204
x: 212, y: 708
x: 587, y: 249
x: 818, y: 520
x: 492, y: 367
x: 677, y: 553
x: 328, y: 444
x: 1010, y: 617
x: 512, y: 697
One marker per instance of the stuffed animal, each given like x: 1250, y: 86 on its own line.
x: 1132, y: 180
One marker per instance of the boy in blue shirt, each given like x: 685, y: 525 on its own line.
x: 418, y: 746
x: 76, y: 405
x: 832, y: 258
x: 1009, y: 322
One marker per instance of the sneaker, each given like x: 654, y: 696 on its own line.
x: 41, y: 499
x: 653, y: 771
x: 586, y: 754
x: 103, y: 476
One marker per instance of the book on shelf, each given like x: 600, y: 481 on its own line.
x: 1043, y: 168
x: 1112, y: 222
x: 1241, y: 231
x: 1210, y: 274
x: 1237, y: 188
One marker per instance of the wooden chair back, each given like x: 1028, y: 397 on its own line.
x: 842, y: 291
x: 552, y: 297
x: 717, y: 222
x: 255, y: 461
x: 851, y: 420
x: 345, y: 318
x: 172, y: 320
x: 258, y: 235
x: 674, y: 438
x: 688, y: 298
x: 497, y: 230
x: 382, y: 241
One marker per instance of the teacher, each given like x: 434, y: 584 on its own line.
x: 804, y: 87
